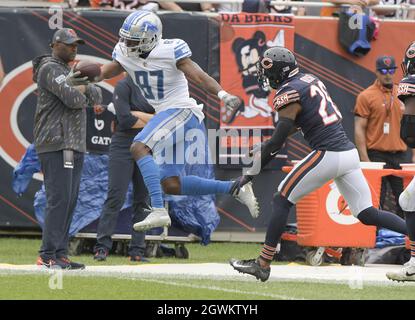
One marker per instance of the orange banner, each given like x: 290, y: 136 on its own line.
x: 244, y: 37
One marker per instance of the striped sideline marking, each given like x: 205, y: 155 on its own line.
x: 267, y: 295
x: 372, y: 274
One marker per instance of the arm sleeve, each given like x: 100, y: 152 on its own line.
x: 53, y: 79
x: 181, y: 50
x: 273, y: 145
x: 362, y: 107
x: 122, y: 106
x: 284, y: 97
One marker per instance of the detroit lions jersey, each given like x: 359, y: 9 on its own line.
x: 319, y: 118
x: 406, y: 88
x: 161, y: 83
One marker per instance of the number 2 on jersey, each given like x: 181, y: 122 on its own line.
x: 142, y: 78
x: 321, y: 90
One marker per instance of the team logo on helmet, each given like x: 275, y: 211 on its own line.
x: 266, y: 63
x: 411, y: 52
x: 148, y: 26
x: 387, y: 61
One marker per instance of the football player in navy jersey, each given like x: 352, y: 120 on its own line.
x: 302, y: 102
x: 406, y: 93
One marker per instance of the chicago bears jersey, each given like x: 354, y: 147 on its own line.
x: 406, y: 88
x: 161, y: 83
x: 319, y: 119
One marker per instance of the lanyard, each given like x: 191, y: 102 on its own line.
x: 388, y: 107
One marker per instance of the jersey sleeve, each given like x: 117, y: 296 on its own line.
x: 406, y: 88
x: 362, y: 107
x: 181, y: 50
x: 285, y: 96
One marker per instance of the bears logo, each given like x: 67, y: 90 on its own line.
x: 17, y: 96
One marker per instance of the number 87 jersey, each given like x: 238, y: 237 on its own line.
x: 157, y: 77
x: 319, y: 119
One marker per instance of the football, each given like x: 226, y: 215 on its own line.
x: 88, y: 69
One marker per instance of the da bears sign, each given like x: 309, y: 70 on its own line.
x: 15, y: 99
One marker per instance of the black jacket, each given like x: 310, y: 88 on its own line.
x: 60, y: 118
x: 127, y: 97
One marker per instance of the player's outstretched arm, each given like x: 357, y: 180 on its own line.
x: 195, y: 74
x: 283, y: 129
x: 109, y: 70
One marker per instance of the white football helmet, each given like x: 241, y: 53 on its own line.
x: 140, y: 33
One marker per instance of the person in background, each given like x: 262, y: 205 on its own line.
x: 333, y: 11
x: 378, y: 113
x: 60, y: 141
x: 151, y: 5
x: 132, y: 113
x: 406, y: 93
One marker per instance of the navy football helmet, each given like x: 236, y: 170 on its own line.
x: 275, y: 66
x: 408, y: 63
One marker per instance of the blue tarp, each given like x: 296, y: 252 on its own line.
x: 24, y: 171
x: 193, y: 214
x: 387, y: 238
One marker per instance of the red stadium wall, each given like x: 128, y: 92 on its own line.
x: 315, y: 43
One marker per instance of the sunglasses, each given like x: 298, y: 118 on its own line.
x: 386, y: 71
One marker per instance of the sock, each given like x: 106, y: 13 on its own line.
x: 151, y: 176
x: 276, y: 227
x: 384, y: 219
x: 410, y: 224
x: 193, y: 185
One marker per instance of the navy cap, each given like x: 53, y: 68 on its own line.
x: 66, y: 36
x: 385, y: 62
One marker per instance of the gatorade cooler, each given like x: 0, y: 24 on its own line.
x: 324, y: 219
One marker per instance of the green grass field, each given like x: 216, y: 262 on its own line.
x: 78, y: 287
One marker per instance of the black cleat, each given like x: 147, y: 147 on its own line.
x: 251, y: 267
x: 101, y: 254
x: 72, y: 265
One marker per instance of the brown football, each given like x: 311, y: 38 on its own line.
x: 88, y: 69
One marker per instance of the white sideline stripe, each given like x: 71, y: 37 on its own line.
x: 268, y: 295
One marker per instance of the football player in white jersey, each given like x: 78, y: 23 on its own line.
x: 160, y: 68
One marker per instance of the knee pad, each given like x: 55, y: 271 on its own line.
x: 407, y: 201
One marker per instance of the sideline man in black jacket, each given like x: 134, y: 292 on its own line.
x: 60, y: 142
x: 132, y: 112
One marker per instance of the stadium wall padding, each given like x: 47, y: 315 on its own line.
x: 25, y: 33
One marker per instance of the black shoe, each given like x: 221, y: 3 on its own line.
x: 72, y: 265
x: 52, y: 263
x: 251, y: 267
x: 138, y: 259
x: 101, y: 254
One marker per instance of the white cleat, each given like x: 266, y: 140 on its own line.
x: 246, y: 196
x: 407, y: 273
x: 158, y: 217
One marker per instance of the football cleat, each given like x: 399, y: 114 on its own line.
x: 407, y: 273
x: 245, y: 195
x: 251, y: 267
x: 158, y: 217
